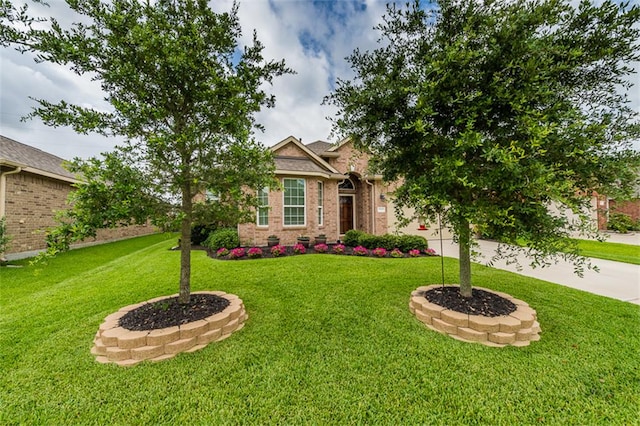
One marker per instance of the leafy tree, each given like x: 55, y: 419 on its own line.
x: 490, y: 113
x: 183, y: 96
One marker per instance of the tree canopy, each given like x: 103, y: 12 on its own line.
x: 183, y: 95
x: 504, y: 115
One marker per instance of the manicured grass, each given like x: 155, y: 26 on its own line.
x: 610, y: 251
x: 329, y: 340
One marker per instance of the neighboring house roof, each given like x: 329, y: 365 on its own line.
x: 33, y: 160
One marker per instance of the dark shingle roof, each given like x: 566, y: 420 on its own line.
x: 298, y: 164
x: 16, y: 152
x: 318, y: 147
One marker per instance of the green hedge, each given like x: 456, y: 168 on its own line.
x: 388, y: 241
x: 352, y: 237
x: 227, y: 237
x: 199, y: 233
x: 623, y: 223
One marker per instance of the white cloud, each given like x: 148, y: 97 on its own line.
x: 313, y: 37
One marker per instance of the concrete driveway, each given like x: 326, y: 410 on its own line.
x: 616, y: 279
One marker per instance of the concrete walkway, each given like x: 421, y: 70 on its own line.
x: 616, y: 279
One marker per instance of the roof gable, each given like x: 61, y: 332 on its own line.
x: 292, y: 156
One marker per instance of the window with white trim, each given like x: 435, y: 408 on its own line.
x: 294, y: 202
x: 211, y: 196
x: 263, y: 207
x: 320, y: 203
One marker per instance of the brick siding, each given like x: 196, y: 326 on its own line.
x: 630, y: 208
x: 31, y: 203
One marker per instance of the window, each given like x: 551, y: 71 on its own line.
x: 294, y: 202
x: 347, y: 185
x: 320, y: 204
x: 211, y: 196
x: 263, y: 207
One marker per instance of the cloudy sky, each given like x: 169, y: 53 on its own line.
x: 313, y: 37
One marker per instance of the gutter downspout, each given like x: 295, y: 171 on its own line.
x: 3, y: 195
x: 3, y: 188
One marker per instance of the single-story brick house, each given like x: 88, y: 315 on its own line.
x: 325, y: 189
x: 607, y: 206
x: 33, y: 186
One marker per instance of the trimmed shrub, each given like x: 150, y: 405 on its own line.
x: 369, y: 241
x: 412, y: 242
x: 622, y: 223
x: 199, y: 233
x: 351, y: 237
x: 227, y: 237
x: 388, y: 241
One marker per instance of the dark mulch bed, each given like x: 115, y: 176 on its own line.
x: 168, y: 312
x: 480, y: 303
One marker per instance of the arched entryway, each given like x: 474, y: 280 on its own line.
x: 347, y: 205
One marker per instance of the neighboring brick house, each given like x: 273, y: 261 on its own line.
x: 33, y: 186
x: 326, y: 189
x: 607, y: 206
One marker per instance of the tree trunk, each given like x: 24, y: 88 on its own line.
x: 465, y: 259
x: 185, y: 247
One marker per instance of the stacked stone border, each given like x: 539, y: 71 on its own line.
x: 115, y: 344
x: 517, y: 329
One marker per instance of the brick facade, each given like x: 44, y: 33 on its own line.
x: 605, y: 206
x: 30, y: 206
x: 630, y: 208
x: 371, y: 198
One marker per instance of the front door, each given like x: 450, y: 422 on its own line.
x: 346, y: 213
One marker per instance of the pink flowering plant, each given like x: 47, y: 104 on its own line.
x: 338, y: 249
x: 380, y: 252
x: 254, y: 253
x: 236, y: 253
x: 299, y: 249
x: 397, y: 253
x: 222, y: 252
x: 414, y: 253
x: 360, y: 251
x: 321, y: 248
x: 278, y: 250
x: 430, y: 252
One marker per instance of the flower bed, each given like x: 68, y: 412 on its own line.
x: 240, y: 253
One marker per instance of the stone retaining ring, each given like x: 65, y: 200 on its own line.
x: 126, y: 347
x: 516, y: 329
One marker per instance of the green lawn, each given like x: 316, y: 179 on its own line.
x: 610, y: 251
x: 329, y: 340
